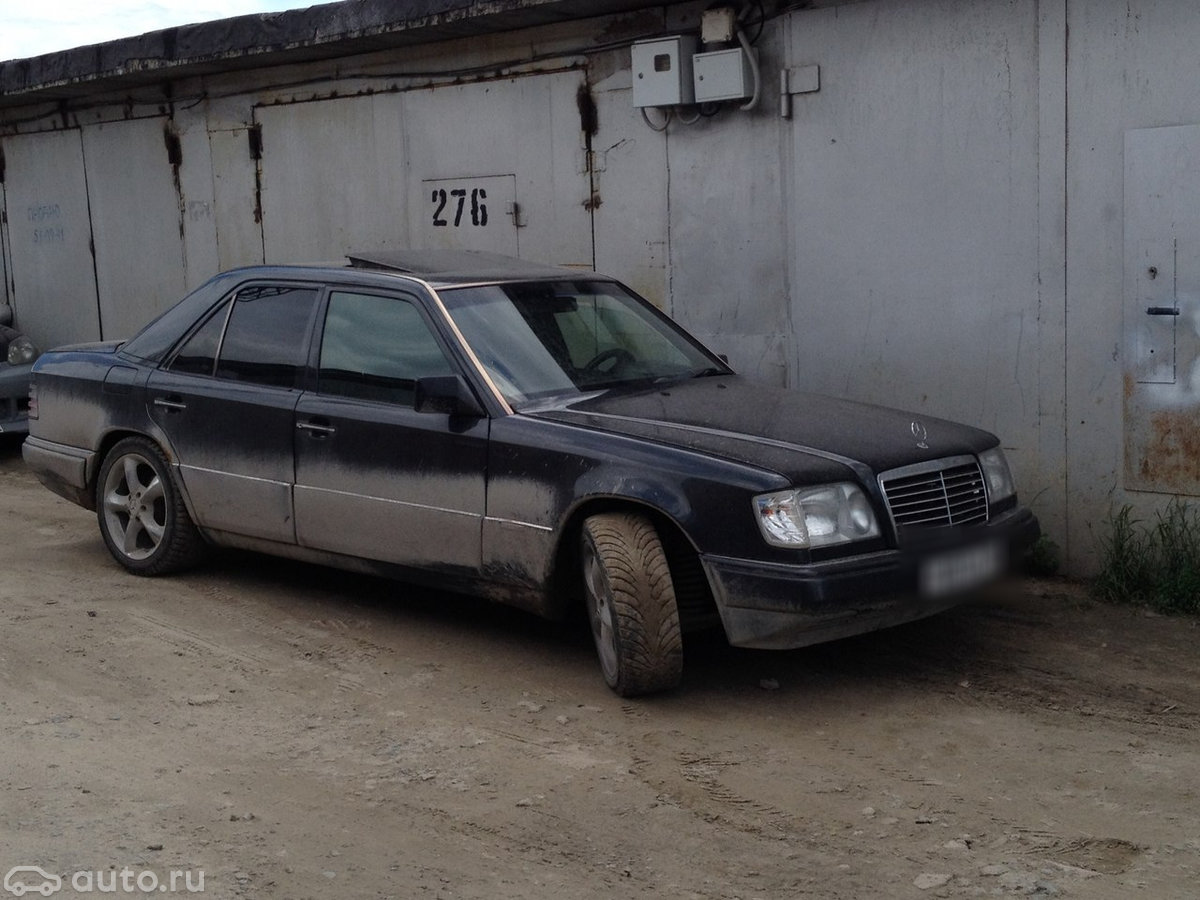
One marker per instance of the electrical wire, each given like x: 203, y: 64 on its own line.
x: 754, y: 71
x: 666, y: 120
x: 762, y: 19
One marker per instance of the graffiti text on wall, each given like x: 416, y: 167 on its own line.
x: 47, y: 223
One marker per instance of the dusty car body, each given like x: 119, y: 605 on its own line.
x: 537, y: 435
x: 17, y: 354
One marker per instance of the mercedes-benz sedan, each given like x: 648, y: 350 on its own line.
x: 540, y: 436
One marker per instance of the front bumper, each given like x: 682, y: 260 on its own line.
x: 780, y: 606
x: 14, y: 398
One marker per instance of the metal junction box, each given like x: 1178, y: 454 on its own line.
x: 722, y: 75
x: 662, y: 71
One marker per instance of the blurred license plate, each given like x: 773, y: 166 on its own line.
x: 960, y: 570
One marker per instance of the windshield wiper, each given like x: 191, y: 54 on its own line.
x: 708, y: 373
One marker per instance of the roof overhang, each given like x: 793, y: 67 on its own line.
x: 269, y: 39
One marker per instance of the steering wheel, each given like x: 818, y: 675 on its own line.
x: 619, y: 354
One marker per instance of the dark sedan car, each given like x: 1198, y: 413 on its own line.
x: 537, y: 435
x: 17, y: 353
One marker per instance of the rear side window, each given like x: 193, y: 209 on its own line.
x: 198, y: 356
x: 260, y: 336
x: 375, y: 348
x: 266, y: 340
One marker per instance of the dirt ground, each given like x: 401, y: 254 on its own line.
x: 295, y: 732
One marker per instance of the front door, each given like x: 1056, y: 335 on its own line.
x: 375, y: 478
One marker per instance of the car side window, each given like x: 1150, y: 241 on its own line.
x: 266, y: 340
x: 198, y: 355
x: 375, y: 348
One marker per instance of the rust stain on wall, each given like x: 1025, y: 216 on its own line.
x: 1170, y: 457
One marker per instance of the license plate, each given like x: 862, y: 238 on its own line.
x: 960, y: 570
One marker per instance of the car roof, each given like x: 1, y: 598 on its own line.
x: 447, y: 267
x: 437, y: 268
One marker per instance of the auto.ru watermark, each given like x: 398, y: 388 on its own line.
x: 22, y: 880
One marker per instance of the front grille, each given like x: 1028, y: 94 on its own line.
x: 936, y: 494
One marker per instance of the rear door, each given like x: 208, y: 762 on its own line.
x: 375, y: 478
x: 226, y: 402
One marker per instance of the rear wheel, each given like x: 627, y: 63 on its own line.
x: 631, y: 604
x: 143, y: 520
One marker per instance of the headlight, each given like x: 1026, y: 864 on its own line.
x: 21, y: 351
x: 998, y: 476
x: 816, y: 517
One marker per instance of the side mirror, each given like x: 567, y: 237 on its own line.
x: 445, y: 394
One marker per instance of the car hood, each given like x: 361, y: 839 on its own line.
x: 779, y: 429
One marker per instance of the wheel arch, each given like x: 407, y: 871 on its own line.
x: 697, y: 608
x: 113, y: 437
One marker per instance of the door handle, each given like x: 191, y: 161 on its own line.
x: 316, y: 429
x: 170, y: 404
x: 1161, y: 311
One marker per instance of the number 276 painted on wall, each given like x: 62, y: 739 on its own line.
x: 443, y: 199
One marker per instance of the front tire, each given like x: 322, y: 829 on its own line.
x: 631, y: 604
x: 143, y: 519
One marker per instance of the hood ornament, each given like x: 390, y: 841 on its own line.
x: 921, y: 434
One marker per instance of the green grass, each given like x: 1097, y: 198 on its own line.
x: 1155, y: 564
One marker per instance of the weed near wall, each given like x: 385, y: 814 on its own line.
x: 1154, y: 564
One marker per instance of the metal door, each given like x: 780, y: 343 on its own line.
x: 332, y: 176
x: 235, y: 208
x: 515, y: 145
x: 453, y: 166
x: 137, y: 221
x: 1162, y: 310
x: 50, y: 238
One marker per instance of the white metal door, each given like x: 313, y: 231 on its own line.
x: 498, y: 166
x: 332, y: 178
x: 50, y: 235
x: 520, y: 142
x: 235, y: 209
x: 138, y: 223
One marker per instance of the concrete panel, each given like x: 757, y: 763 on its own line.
x: 52, y: 277
x: 528, y: 127
x: 914, y: 211
x: 1044, y: 480
x: 729, y: 237
x: 629, y: 198
x: 629, y: 209
x: 1133, y: 66
x: 200, y: 254
x: 235, y: 205
x: 1162, y: 310
x: 333, y: 178
x: 137, y: 222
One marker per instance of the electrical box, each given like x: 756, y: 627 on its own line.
x: 718, y: 25
x: 722, y: 75
x: 662, y: 71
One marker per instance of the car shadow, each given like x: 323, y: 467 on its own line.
x: 971, y: 643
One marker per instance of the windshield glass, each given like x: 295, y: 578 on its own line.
x: 545, y: 339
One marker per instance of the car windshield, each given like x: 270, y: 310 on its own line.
x: 539, y: 340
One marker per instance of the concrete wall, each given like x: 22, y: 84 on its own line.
x: 943, y: 226
x: 1133, y: 73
